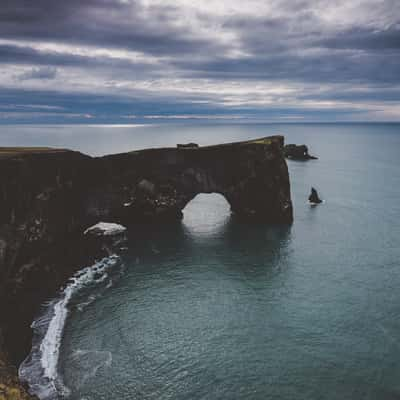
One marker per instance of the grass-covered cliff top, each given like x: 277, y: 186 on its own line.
x: 264, y: 141
x: 8, y: 152
x: 13, y: 151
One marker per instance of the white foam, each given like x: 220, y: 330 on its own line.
x: 106, y: 229
x: 49, y: 329
x: 81, y: 306
x: 315, y: 204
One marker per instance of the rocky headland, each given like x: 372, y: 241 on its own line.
x: 50, y: 197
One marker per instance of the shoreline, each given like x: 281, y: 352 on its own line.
x: 40, y: 369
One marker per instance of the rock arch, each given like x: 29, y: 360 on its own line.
x: 252, y: 176
x: 64, y: 192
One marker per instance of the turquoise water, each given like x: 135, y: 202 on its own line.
x: 212, y: 308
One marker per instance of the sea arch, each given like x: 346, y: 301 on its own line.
x: 158, y: 183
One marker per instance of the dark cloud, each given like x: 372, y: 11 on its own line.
x: 327, y: 68
x: 295, y: 44
x: 285, y: 47
x: 365, y: 39
x: 99, y: 22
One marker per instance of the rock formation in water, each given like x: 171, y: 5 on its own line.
x: 314, y: 198
x: 48, y: 198
x: 298, y: 152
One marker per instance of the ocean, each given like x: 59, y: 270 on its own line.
x: 213, y: 308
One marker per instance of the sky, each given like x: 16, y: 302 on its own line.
x: 136, y: 61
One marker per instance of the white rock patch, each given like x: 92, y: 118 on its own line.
x: 106, y: 229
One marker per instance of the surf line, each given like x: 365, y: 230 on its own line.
x: 40, y: 369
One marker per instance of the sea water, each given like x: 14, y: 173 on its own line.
x: 214, y: 308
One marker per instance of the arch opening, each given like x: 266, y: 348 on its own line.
x: 206, y: 213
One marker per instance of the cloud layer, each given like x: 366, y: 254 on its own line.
x: 118, y: 60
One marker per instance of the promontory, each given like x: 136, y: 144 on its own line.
x: 49, y: 197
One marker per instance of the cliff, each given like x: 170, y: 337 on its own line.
x: 49, y: 197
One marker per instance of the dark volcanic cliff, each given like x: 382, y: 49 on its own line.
x: 49, y: 197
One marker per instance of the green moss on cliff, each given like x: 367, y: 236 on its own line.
x: 10, y: 388
x: 15, y: 151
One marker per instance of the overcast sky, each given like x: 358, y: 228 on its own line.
x: 128, y: 61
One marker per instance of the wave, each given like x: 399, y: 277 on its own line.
x: 315, y: 204
x: 40, y: 368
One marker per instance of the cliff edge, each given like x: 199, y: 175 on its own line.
x: 48, y: 197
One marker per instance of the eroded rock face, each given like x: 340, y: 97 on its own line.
x: 48, y: 198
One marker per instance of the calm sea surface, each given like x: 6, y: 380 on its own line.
x: 211, y: 308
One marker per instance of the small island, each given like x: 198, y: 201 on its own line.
x: 298, y: 152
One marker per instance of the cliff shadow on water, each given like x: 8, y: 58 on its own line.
x: 154, y: 243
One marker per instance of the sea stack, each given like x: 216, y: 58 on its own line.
x: 314, y: 198
x: 298, y: 152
